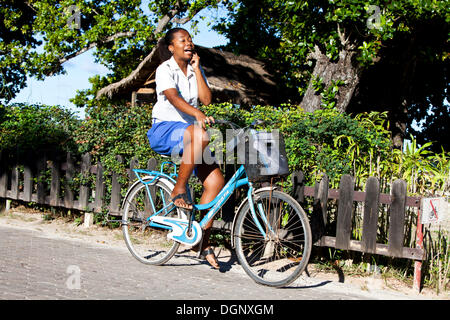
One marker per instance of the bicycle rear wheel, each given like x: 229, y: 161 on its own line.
x: 283, y: 255
x: 147, y: 244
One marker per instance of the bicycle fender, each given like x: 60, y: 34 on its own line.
x: 241, y: 206
x: 167, y: 182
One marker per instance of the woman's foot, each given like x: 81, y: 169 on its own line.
x: 182, y: 201
x: 208, y: 255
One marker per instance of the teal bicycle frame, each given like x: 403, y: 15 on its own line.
x: 236, y: 181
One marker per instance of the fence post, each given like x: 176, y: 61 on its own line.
x: 151, y: 165
x: 83, y: 202
x: 370, y: 217
x: 134, y: 163
x: 27, y: 183
x: 397, y: 218
x: 3, y: 181
x: 14, y: 187
x: 228, y: 209
x: 3, y: 176
x: 298, y: 186
x: 345, y: 208
x: 319, y: 215
x: 40, y: 170
x: 99, y: 188
x: 114, y: 205
x: 68, y: 192
x: 15, y: 183
x: 55, y: 184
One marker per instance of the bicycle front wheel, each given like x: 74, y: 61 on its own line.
x: 280, y: 257
x: 147, y: 244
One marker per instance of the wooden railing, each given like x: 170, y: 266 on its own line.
x: 28, y: 185
x: 372, y: 199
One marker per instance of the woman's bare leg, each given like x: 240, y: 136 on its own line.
x: 195, y: 141
x: 213, y: 182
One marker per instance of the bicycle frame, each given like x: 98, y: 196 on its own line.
x: 236, y: 181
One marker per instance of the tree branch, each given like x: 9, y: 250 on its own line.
x: 139, y: 73
x: 192, y: 15
x: 162, y: 23
x: 30, y: 6
x: 344, y: 41
x: 188, y: 18
x: 316, y: 54
x: 113, y: 37
x: 114, y: 87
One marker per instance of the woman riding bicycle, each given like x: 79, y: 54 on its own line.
x: 178, y: 126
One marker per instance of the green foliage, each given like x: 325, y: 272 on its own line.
x: 400, y: 49
x: 36, y: 40
x: 122, y: 32
x: 425, y: 171
x: 27, y: 130
x: 115, y: 130
x: 333, y: 143
x: 283, y: 32
x: 16, y: 42
x: 324, y: 141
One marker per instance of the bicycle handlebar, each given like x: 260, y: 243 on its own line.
x: 231, y: 124
x: 232, y: 143
x: 235, y: 126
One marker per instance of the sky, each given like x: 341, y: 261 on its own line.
x: 58, y: 90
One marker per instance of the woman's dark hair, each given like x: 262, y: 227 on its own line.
x: 163, y: 43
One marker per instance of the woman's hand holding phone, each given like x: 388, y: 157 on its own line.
x: 195, y: 61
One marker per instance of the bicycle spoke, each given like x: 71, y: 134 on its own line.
x: 281, y: 256
x: 148, y: 244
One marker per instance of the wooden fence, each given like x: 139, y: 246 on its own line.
x: 20, y: 185
x: 28, y: 185
x: 371, y: 200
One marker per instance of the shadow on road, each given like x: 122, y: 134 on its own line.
x: 227, y: 265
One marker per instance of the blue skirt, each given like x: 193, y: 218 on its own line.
x: 166, y: 137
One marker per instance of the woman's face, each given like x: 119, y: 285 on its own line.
x: 182, y: 46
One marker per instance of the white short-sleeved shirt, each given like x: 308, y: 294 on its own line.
x: 169, y: 75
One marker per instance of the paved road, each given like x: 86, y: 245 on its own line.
x: 34, y: 266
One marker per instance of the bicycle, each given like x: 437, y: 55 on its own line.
x: 270, y: 232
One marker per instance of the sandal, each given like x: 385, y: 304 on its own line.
x: 187, y: 202
x: 212, y: 260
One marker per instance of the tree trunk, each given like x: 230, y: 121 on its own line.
x: 344, y: 69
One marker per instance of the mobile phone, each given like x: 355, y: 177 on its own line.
x: 193, y: 52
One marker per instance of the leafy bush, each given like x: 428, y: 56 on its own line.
x: 30, y: 130
x: 325, y: 141
x: 115, y: 130
x: 316, y: 143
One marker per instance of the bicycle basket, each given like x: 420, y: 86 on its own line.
x: 265, y: 155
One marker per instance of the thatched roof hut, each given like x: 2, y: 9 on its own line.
x: 238, y: 79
